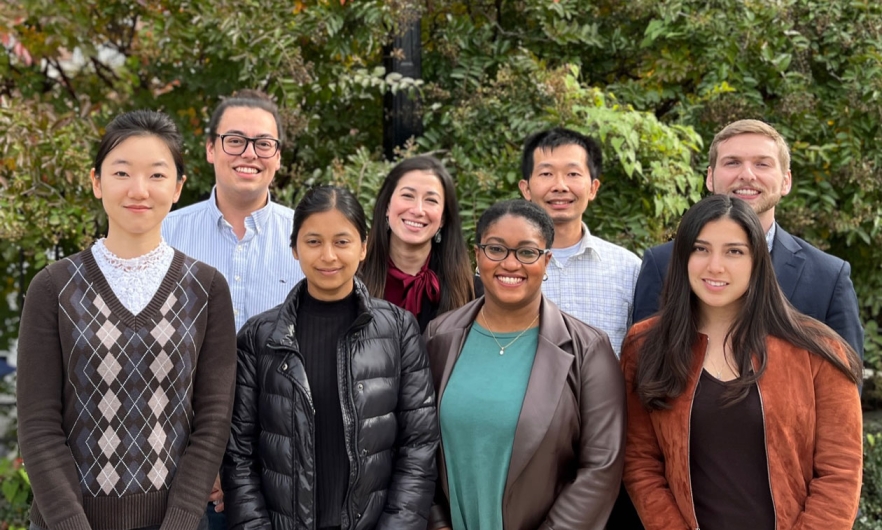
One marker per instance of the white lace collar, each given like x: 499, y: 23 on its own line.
x: 134, y: 281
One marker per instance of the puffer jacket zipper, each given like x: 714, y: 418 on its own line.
x: 345, y: 349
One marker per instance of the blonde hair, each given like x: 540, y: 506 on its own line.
x: 750, y: 127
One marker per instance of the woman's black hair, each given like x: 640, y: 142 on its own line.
x: 666, y: 359
x: 518, y: 207
x: 449, y: 258
x: 323, y: 199
x: 141, y: 123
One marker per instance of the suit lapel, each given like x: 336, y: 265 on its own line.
x: 548, y: 378
x: 788, y: 261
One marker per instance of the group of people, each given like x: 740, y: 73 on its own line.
x: 359, y: 382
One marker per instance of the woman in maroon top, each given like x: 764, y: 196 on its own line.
x: 416, y: 254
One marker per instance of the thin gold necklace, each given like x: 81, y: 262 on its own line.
x: 521, y: 334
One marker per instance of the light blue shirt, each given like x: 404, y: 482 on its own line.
x: 596, y: 285
x: 259, y: 268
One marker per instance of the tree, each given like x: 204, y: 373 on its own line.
x: 652, y: 80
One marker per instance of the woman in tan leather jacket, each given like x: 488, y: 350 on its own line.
x: 743, y: 412
x: 531, y: 400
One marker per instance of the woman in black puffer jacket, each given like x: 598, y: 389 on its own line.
x: 334, y: 423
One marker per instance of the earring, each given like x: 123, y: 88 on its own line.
x: 438, y: 236
x: 545, y: 277
x: 477, y: 272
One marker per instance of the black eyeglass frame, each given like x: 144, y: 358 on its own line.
x: 252, y: 141
x: 508, y: 250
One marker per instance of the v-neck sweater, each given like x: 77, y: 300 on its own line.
x: 123, y: 419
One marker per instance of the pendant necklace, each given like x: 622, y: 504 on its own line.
x: 501, y: 347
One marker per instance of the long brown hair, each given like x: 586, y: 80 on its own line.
x: 449, y: 259
x: 665, y: 357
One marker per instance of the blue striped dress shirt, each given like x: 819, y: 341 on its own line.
x: 259, y: 268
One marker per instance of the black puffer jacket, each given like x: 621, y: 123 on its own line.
x: 389, y: 417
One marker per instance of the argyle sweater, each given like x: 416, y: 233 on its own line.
x: 123, y: 419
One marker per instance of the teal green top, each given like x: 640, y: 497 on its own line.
x: 479, y: 414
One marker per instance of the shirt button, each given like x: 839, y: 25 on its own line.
x: 238, y: 279
x: 236, y: 312
x: 360, y: 387
x: 238, y: 248
x: 284, y: 366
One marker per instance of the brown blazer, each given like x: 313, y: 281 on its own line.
x: 813, y: 429
x: 567, y: 458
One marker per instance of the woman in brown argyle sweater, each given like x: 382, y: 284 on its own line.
x: 126, y: 356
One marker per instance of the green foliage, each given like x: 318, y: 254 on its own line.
x: 15, y: 495
x: 871, y: 490
x: 653, y: 80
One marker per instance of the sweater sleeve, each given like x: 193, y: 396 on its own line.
x: 213, y: 385
x: 40, y: 401
x: 834, y: 491
x: 644, y: 475
x: 413, y: 477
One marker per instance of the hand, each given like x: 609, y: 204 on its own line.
x: 217, y: 495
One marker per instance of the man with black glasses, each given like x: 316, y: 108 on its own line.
x: 239, y: 230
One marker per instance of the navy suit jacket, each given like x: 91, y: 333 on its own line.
x: 815, y: 282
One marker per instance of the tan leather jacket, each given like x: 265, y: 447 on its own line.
x: 567, y: 457
x: 812, y: 419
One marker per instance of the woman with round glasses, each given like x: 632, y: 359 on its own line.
x: 531, y: 400
x: 416, y: 256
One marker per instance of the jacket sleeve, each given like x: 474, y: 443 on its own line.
x: 644, y: 475
x: 587, y: 501
x: 647, y: 289
x: 40, y: 401
x: 834, y: 491
x: 413, y: 477
x: 244, y: 504
x: 212, y: 403
x: 843, y: 315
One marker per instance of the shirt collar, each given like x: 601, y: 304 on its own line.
x: 770, y: 236
x: 586, y: 243
x: 258, y: 218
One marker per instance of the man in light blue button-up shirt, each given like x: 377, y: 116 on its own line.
x: 239, y: 230
x: 588, y: 277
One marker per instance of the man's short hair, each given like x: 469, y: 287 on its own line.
x: 254, y: 99
x: 559, y: 137
x: 740, y: 127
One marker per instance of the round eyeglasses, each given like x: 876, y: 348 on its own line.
x: 525, y: 255
x: 236, y: 144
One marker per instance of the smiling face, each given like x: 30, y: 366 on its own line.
x: 561, y: 183
x: 748, y: 167
x: 329, y: 250
x: 137, y: 184
x: 510, y: 283
x: 416, y: 209
x: 720, y: 266
x: 244, y: 179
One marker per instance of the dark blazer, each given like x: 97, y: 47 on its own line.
x: 568, y: 449
x: 815, y: 282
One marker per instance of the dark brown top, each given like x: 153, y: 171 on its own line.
x: 730, y: 478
